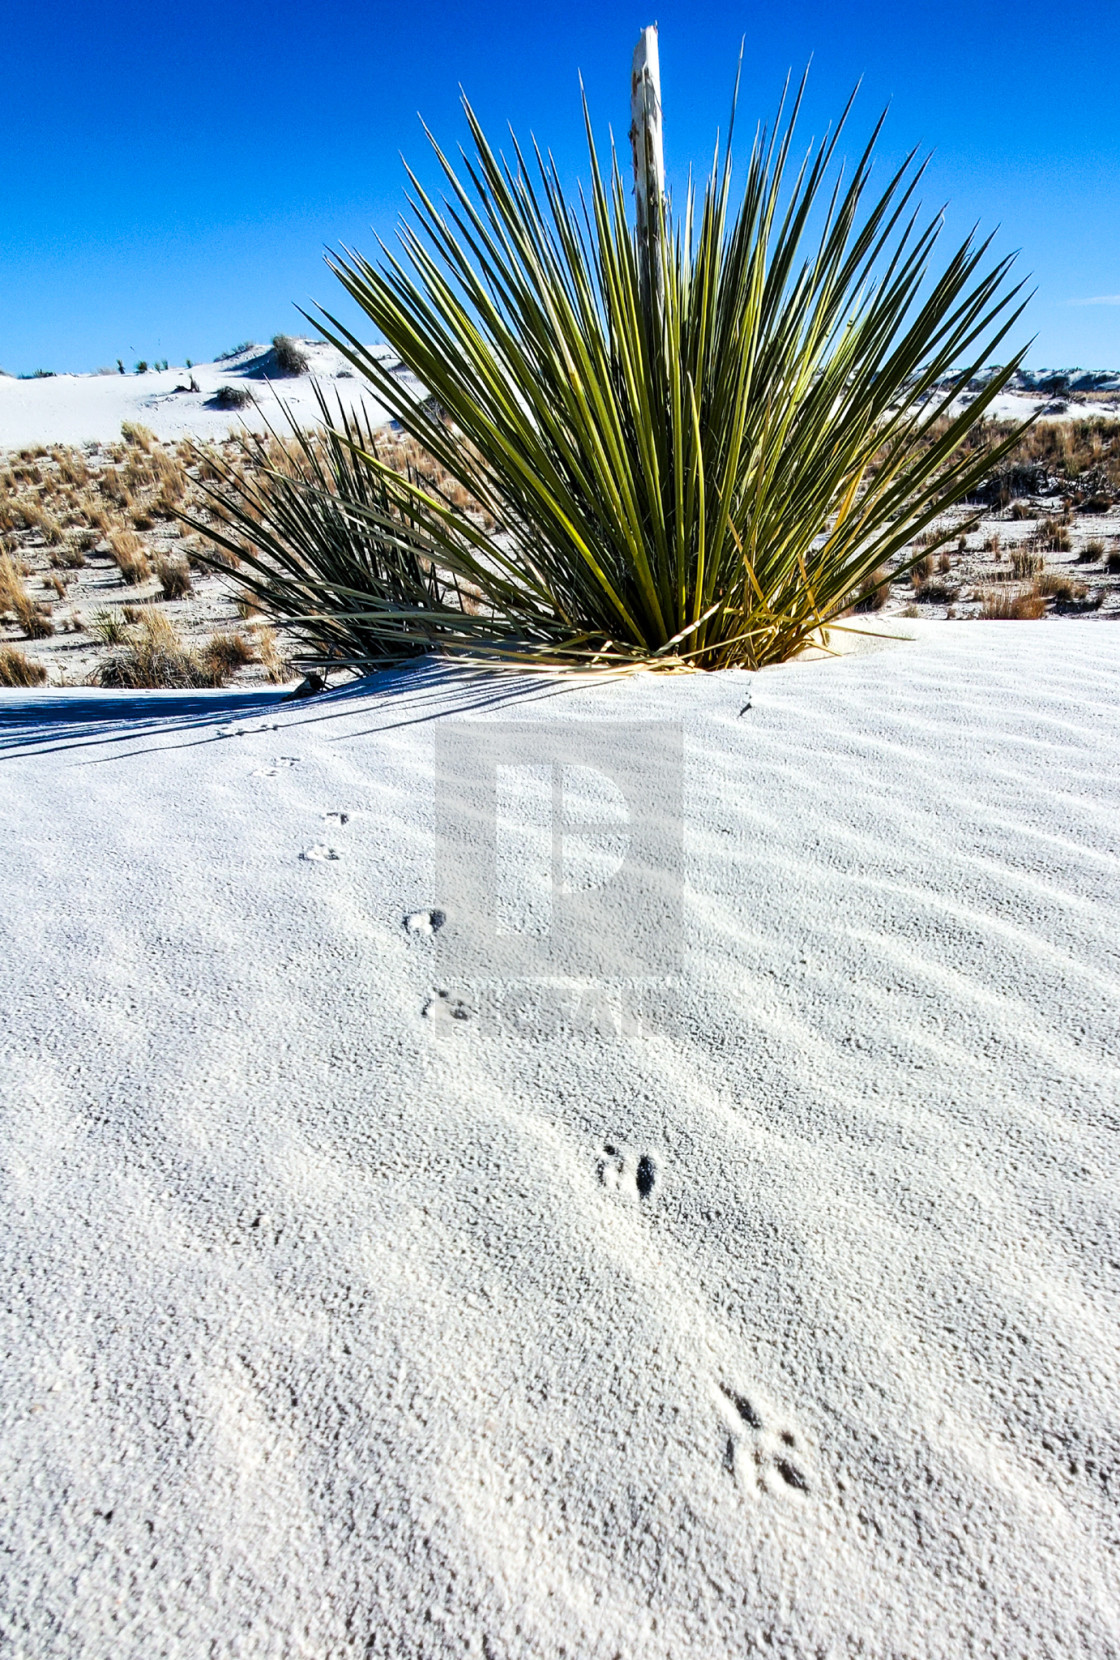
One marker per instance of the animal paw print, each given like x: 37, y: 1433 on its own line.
x: 443, y: 1007
x: 424, y: 924
x: 622, y: 1171
x: 322, y: 853
x: 278, y: 766
x: 763, y: 1452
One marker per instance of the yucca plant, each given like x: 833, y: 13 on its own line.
x: 708, y: 472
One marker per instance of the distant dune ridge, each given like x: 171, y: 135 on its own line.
x: 75, y: 409
x: 72, y: 409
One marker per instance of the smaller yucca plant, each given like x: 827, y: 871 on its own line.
x: 325, y: 542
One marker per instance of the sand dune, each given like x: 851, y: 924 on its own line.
x: 76, y: 409
x: 781, y: 1320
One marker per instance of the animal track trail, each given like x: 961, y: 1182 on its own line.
x: 246, y: 731
x: 444, y: 1007
x: 279, y: 765
x: 633, y: 1175
x: 320, y: 854
x: 423, y: 924
x: 762, y: 1451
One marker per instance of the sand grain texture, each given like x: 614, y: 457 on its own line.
x: 789, y: 1328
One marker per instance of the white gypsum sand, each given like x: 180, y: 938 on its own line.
x: 79, y: 409
x: 331, y: 1328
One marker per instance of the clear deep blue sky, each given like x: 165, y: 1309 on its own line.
x: 171, y: 173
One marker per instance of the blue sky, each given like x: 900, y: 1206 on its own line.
x: 172, y: 173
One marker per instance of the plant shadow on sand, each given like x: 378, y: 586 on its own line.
x: 37, y: 722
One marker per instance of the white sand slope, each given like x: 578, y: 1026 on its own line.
x: 76, y: 409
x: 330, y: 1329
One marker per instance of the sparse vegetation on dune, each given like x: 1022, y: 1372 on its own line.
x: 152, y: 656
x: 288, y: 355
x: 114, y: 506
x: 17, y: 669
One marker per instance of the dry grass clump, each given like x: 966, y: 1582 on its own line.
x: 1091, y: 552
x: 270, y: 656
x: 70, y: 556
x: 174, y: 577
x: 1053, y: 536
x: 935, y: 591
x: 1056, y: 585
x: 150, y: 654
x: 37, y: 517
x: 128, y: 551
x: 138, y: 435
x: 1024, y: 563
x: 224, y: 654
x: 151, y: 657
x: 1112, y: 562
x: 72, y: 466
x: 113, y: 487
x: 18, y: 669
x: 34, y: 619
x: 1000, y: 605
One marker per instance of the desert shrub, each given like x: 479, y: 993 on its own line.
x: 1000, y: 604
x: 936, y: 592
x: 33, y: 618
x: 1053, y: 536
x: 133, y: 432
x: 69, y: 557
x: 110, y: 627
x: 174, y: 577
x: 72, y: 466
x: 234, y: 351
x: 231, y: 397
x: 921, y: 569
x: 113, y: 487
x: 1056, y: 585
x: 17, y: 669
x: 142, y: 519
x: 223, y: 654
x: 270, y: 655
x: 1090, y: 552
x: 1025, y: 562
x: 287, y: 356
x: 699, y: 439
x: 153, y: 657
x: 128, y: 551
x: 1112, y: 562
x: 37, y: 517
x: 1021, y: 510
